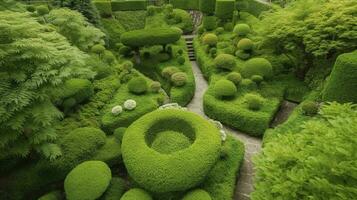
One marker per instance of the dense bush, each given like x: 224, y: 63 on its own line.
x: 181, y: 60
x: 137, y: 85
x: 224, y: 89
x: 76, y: 91
x: 224, y: 9
x: 209, y: 22
x: 98, y: 49
x: 167, y: 72
x: 88, y: 180
x: 182, y: 169
x: 235, y: 77
x: 167, y: 142
x: 315, y: 161
x: 245, y: 44
x: 155, y: 86
x: 242, y: 55
x: 242, y: 30
x: 257, y: 79
x: 257, y: 66
x: 136, y: 194
x: 207, y: 6
x: 197, y: 194
x: 120, y: 5
x: 342, y: 83
x: 179, y: 79
x: 254, y: 101
x: 310, y: 108
x: 104, y: 7
x: 248, y: 84
x: 210, y: 39
x: 225, y: 61
x: 42, y: 10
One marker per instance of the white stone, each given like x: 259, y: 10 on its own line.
x: 116, y: 110
x: 130, y: 104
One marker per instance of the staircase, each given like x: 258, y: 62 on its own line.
x: 189, y: 44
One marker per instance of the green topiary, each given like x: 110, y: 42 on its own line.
x: 210, y: 39
x: 257, y: 66
x: 167, y: 142
x: 228, y: 26
x: 242, y: 55
x: 128, y: 66
x: 224, y: 88
x: 257, y: 79
x: 235, y: 77
x: 137, y: 85
x: 179, y: 79
x: 155, y: 87
x: 197, y: 194
x: 42, y: 10
x: 225, y: 61
x: 88, y: 180
x: 342, y: 84
x: 115, y: 190
x: 242, y: 30
x: 209, y: 23
x: 213, y: 52
x: 245, y: 44
x: 54, y: 195
x: 207, y: 6
x: 98, y: 49
x: 224, y: 9
x: 310, y: 108
x: 30, y: 8
x: 248, y: 84
x: 219, y: 30
x: 254, y: 101
x: 181, y: 60
x: 176, y: 171
x: 136, y: 194
x: 125, y: 50
x: 108, y: 57
x: 167, y: 72
x: 76, y: 91
x: 119, y: 133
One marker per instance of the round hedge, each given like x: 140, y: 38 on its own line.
x: 245, y: 44
x: 155, y: 87
x: 257, y: 79
x: 310, y: 108
x: 170, y: 141
x: 242, y: 30
x: 137, y: 85
x: 235, y: 77
x: 224, y: 88
x: 87, y: 181
x: 210, y: 39
x: 225, y: 61
x: 136, y: 194
x: 257, y: 66
x: 179, y: 79
x: 179, y: 170
x: 98, y: 49
x: 197, y: 194
x: 167, y: 72
x: 42, y: 10
x: 254, y: 101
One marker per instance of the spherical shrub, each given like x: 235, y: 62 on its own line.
x: 179, y: 79
x: 78, y: 89
x: 257, y: 66
x: 130, y: 104
x: 242, y: 54
x: 257, y: 79
x: 128, y: 66
x: 219, y: 30
x: 310, y: 108
x: 181, y: 60
x: 225, y: 61
x: 42, y: 10
x: 197, y: 194
x: 116, y: 110
x: 180, y: 52
x: 245, y: 44
x: 235, y: 77
x: 30, y: 8
x: 88, y: 180
x: 155, y: 87
x: 242, y: 30
x: 224, y: 88
x: 137, y: 85
x: 210, y: 39
x: 248, y: 84
x: 125, y: 50
x: 169, y: 71
x: 108, y: 57
x: 180, y: 170
x: 136, y: 194
x: 254, y: 101
x: 98, y: 49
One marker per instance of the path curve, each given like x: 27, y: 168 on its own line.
x: 252, y: 144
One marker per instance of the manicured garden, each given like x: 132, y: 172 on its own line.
x: 103, y: 99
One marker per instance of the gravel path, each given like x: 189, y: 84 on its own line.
x: 252, y: 145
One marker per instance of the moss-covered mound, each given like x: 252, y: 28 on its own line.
x: 197, y: 194
x: 160, y: 169
x: 136, y: 194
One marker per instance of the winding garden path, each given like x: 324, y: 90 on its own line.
x: 252, y: 145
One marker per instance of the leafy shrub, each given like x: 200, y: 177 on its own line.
x: 125, y: 51
x: 31, y: 8
x: 119, y: 5
x: 254, y: 101
x: 245, y: 44
x: 235, y: 77
x: 228, y: 26
x: 257, y: 66
x: 242, y: 55
x: 342, y: 84
x: 181, y: 170
x: 219, y: 30
x: 98, y: 49
x: 179, y: 79
x: 207, y: 6
x: 225, y: 61
x: 104, y: 7
x: 136, y: 194
x: 128, y: 66
x: 76, y: 91
x: 224, y: 9
x: 213, y: 52
x: 137, y: 85
x: 257, y: 79
x: 115, y: 190
x: 242, y: 5
x: 181, y: 60
x: 224, y: 88
x: 210, y: 39
x: 88, y: 180
x: 148, y: 37
x: 129, y: 104
x: 42, y: 10
x: 108, y: 57
x: 155, y: 87
x: 167, y: 72
x: 209, y: 22
x: 197, y: 194
x: 310, y: 108
x: 242, y: 30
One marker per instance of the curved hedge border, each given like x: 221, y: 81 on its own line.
x: 180, y: 170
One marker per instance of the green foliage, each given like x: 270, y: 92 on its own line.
x: 134, y: 20
x: 342, y: 83
x: 167, y: 142
x: 225, y: 61
x: 197, y: 194
x: 122, y: 5
x: 310, y: 108
x: 316, y: 161
x: 242, y: 30
x: 185, y: 4
x: 254, y: 101
x: 235, y: 77
x: 207, y: 6
x: 136, y: 194
x: 115, y: 190
x: 224, y: 9
x: 210, y: 39
x: 167, y: 72
x: 35, y: 60
x: 42, y: 10
x: 54, y: 195
x: 181, y: 60
x: 209, y: 22
x: 155, y: 87
x: 104, y: 7
x: 75, y: 28
x: 224, y: 89
x: 242, y: 5
x: 245, y: 44
x: 182, y: 20
x: 138, y: 85
x: 181, y: 170
x: 88, y: 180
x: 154, y: 36
x: 98, y: 49
x: 257, y: 66
x: 179, y: 79
x: 257, y: 79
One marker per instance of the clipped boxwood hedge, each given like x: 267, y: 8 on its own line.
x: 175, y: 171
x: 125, y: 5
x: 224, y: 9
x: 207, y: 6
x: 185, y: 4
x: 104, y: 7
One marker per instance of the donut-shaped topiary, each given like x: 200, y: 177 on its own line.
x: 171, y: 169
x: 197, y: 194
x: 136, y: 194
x: 88, y: 180
x: 257, y: 66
